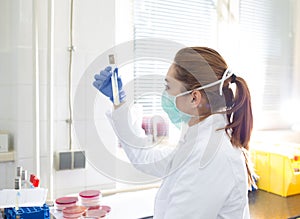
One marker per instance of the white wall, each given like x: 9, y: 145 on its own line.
x: 94, y: 32
x: 297, y: 50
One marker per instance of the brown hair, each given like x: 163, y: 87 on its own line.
x: 198, y: 66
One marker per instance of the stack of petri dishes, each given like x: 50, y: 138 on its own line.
x: 64, y: 202
x: 90, y: 198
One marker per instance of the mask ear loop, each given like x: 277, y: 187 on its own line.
x: 225, y: 76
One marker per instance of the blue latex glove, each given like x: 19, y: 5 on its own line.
x: 103, y: 83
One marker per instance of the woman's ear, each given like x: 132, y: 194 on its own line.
x: 197, y: 97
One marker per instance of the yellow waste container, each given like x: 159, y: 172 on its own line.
x: 278, y: 167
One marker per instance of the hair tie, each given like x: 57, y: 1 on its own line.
x: 233, y: 78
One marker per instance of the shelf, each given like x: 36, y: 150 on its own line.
x: 7, y: 156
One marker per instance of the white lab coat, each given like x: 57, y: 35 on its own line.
x: 205, y: 177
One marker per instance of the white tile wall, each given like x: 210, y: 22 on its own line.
x: 23, y: 142
x: 45, y: 170
x: 43, y: 102
x: 5, y: 102
x: 69, y: 181
x: 44, y: 147
x: 5, y: 67
x: 3, y: 172
x: 61, y: 59
x: 42, y: 6
x: 94, y: 176
x: 6, y: 124
x: 61, y: 24
x: 78, y: 68
x: 23, y: 65
x: 43, y: 66
x: 5, y: 27
x: 14, y: 102
x: 60, y: 141
x: 21, y: 11
x: 24, y: 101
x: 101, y: 14
x: 92, y: 19
x: 80, y: 102
x: 8, y: 171
x: 80, y: 134
x: 60, y: 99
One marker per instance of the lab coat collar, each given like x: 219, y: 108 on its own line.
x: 216, y: 121
x: 210, y: 132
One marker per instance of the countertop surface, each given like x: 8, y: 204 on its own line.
x: 126, y: 205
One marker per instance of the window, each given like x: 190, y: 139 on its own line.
x: 263, y: 56
x: 266, y: 51
x: 190, y: 23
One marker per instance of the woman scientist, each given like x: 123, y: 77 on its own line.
x: 207, y: 175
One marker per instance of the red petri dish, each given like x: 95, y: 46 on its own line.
x: 105, y: 208
x: 95, y: 207
x: 63, y: 202
x: 66, y: 200
x: 89, y: 193
x: 96, y: 213
x: 74, y: 211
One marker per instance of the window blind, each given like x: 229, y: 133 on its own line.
x: 190, y: 23
x: 266, y: 43
x: 265, y: 53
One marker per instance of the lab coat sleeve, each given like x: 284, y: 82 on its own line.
x: 150, y: 160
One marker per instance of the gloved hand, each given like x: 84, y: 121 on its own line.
x: 103, y: 83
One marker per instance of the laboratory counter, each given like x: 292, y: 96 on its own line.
x: 125, y: 205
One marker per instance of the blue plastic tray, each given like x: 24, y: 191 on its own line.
x: 28, y: 213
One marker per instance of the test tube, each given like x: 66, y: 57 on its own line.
x: 18, y: 183
x: 24, y: 179
x: 18, y: 186
x: 114, y: 80
x: 24, y: 175
x: 19, y: 171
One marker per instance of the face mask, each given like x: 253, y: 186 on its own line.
x: 176, y: 116
x: 169, y: 102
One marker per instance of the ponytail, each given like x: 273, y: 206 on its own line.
x: 240, y: 120
x: 240, y: 115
